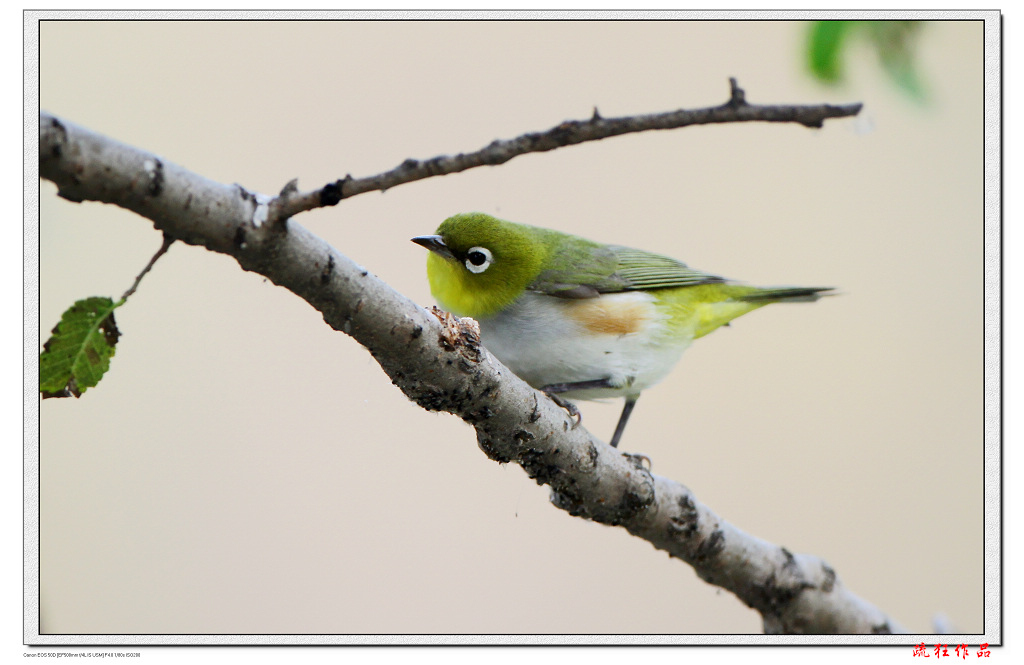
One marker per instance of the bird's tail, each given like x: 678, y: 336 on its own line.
x: 786, y: 294
x: 724, y: 302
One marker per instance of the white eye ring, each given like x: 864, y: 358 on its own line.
x: 478, y: 259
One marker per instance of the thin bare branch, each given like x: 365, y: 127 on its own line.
x: 164, y: 246
x: 570, y: 132
x: 437, y: 361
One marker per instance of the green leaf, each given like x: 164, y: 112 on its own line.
x: 79, y: 349
x: 824, y: 47
x: 895, y: 42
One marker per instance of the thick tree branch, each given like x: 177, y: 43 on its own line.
x: 437, y: 361
x: 567, y: 133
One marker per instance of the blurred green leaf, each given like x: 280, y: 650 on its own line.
x: 893, y: 41
x: 824, y: 45
x: 79, y: 349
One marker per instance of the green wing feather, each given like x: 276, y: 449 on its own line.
x: 592, y: 269
x: 644, y: 270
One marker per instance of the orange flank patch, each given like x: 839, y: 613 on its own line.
x: 611, y: 316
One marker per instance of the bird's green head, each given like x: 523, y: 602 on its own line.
x: 479, y: 265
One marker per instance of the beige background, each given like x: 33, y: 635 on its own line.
x: 245, y: 469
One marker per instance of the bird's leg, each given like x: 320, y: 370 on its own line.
x: 627, y: 409
x: 554, y: 389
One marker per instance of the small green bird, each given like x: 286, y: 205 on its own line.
x: 577, y: 318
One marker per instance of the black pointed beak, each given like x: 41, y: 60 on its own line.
x: 436, y: 245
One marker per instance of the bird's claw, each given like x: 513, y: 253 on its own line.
x: 640, y: 459
x: 574, y: 412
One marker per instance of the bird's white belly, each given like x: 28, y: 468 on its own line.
x: 621, y: 337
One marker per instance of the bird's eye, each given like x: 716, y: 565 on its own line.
x: 478, y: 259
